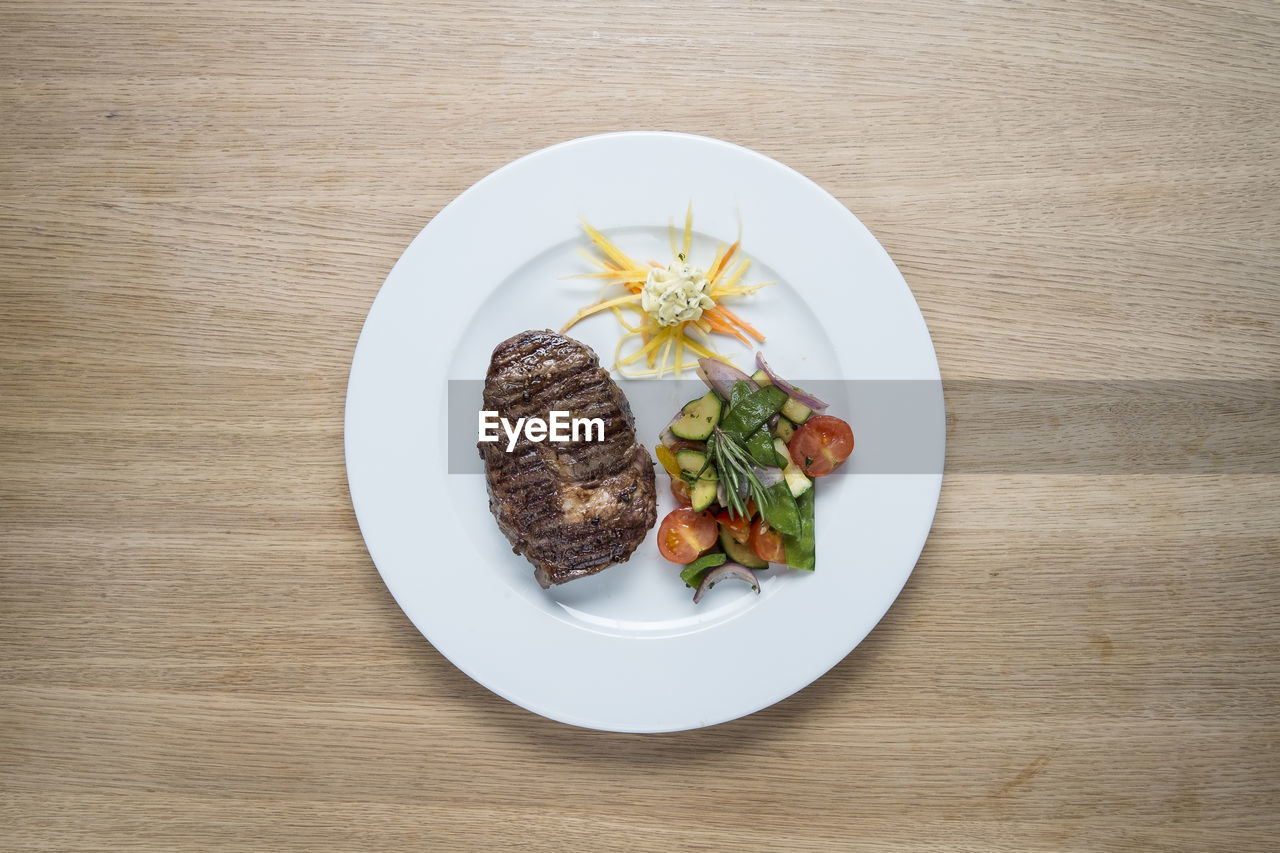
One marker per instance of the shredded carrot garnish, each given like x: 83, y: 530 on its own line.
x: 607, y: 247
x: 662, y: 347
x: 724, y: 262
x: 643, y: 351
x: 724, y: 327
x: 599, y: 306
x: 739, y: 322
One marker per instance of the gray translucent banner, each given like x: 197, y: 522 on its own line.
x: 995, y: 427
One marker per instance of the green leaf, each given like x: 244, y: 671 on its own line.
x: 801, y: 548
x: 693, y: 573
x: 760, y: 446
x: 780, y: 509
x: 751, y: 411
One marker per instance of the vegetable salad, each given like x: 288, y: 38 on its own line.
x: 743, y: 459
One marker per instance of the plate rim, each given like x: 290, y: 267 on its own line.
x: 932, y: 482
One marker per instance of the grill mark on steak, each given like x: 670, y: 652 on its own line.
x: 571, y: 508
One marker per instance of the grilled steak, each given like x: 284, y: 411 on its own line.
x: 571, y: 508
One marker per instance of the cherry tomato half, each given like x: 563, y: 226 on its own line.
x: 680, y: 491
x: 767, y: 542
x: 738, y: 528
x: 821, y: 445
x: 684, y: 534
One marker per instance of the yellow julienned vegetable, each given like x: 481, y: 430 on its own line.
x: 674, y: 303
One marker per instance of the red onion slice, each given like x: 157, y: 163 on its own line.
x: 799, y: 396
x: 769, y: 477
x: 728, y: 570
x: 721, y: 377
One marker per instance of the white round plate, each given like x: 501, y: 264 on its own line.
x: 627, y: 650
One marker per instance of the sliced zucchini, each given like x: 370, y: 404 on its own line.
x: 761, y: 378
x: 781, y: 453
x: 702, y: 493
x: 692, y: 461
x: 784, y: 430
x: 784, y: 452
x: 740, y: 552
x: 794, y: 411
x: 797, y: 482
x: 698, y: 417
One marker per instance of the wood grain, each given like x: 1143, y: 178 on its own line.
x: 198, y: 203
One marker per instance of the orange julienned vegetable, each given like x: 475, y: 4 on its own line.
x: 659, y: 342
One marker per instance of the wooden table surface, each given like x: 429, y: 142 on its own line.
x: 198, y: 203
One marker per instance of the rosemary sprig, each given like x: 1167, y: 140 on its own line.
x: 734, y: 466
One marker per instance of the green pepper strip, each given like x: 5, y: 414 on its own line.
x: 751, y: 411
x: 800, y: 549
x: 781, y: 510
x: 693, y: 573
x: 760, y: 446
